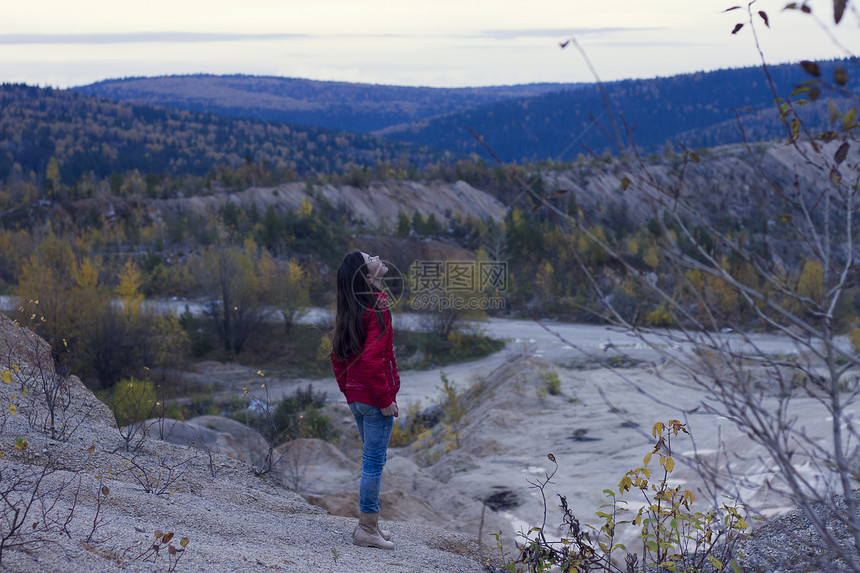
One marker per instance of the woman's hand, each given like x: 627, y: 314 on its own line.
x: 391, y: 410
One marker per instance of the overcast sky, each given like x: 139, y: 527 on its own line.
x: 442, y: 43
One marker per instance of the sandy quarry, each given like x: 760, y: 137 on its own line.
x: 83, y: 502
x: 437, y: 500
x: 512, y: 426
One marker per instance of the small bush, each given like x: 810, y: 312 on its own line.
x: 674, y: 537
x: 855, y: 340
x: 454, y: 407
x: 452, y: 423
x: 457, y: 347
x: 313, y: 423
x: 553, y: 383
x: 297, y: 416
x: 200, y: 404
x: 660, y: 316
x: 407, y: 431
x: 132, y: 400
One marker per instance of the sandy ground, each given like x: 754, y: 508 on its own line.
x: 597, y: 429
x: 87, y: 503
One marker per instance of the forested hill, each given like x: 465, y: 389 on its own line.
x: 696, y: 110
x: 347, y: 106
x: 51, y: 138
x: 521, y: 123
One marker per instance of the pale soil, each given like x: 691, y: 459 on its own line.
x: 234, y: 521
x: 597, y: 428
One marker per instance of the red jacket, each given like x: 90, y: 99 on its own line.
x: 371, y: 377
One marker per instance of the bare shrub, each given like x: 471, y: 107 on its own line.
x: 265, y: 423
x: 46, y: 395
x: 716, y: 279
x: 297, y: 464
x: 163, y: 541
x: 674, y: 536
x: 132, y: 402
x: 159, y: 476
x: 99, y: 520
x: 33, y: 511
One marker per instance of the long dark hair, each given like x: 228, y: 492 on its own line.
x: 355, y: 295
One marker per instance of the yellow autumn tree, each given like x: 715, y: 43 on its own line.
x: 128, y: 290
x: 810, y: 284
x: 287, y: 286
x: 15, y: 248
x: 545, y: 282
x: 590, y: 251
x: 52, y: 178
x: 305, y: 209
x: 74, y: 312
x: 85, y: 290
x: 229, y: 279
x: 167, y: 343
x: 47, y: 278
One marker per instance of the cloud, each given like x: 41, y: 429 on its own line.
x: 555, y: 32
x: 138, y: 37
x: 657, y: 44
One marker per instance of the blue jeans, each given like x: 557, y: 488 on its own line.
x: 375, y: 432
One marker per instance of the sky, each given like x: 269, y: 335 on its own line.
x: 438, y: 43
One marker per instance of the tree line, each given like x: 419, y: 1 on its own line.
x: 696, y: 110
x: 361, y: 108
x: 245, y: 262
x: 61, y: 145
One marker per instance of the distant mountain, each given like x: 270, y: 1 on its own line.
x: 520, y: 123
x: 65, y: 135
x: 360, y: 108
x: 696, y: 110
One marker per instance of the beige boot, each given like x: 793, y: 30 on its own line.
x: 367, y: 533
x: 386, y: 535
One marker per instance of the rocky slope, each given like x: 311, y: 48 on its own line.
x: 98, y: 505
x: 372, y: 205
x: 84, y: 502
x: 735, y: 183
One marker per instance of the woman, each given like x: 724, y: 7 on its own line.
x: 366, y: 372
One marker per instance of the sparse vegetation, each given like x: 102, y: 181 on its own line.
x: 45, y: 395
x: 674, y: 536
x: 158, y: 476
x: 553, y: 383
x: 31, y: 510
x: 164, y: 541
x: 452, y: 421
x: 37, y: 503
x: 435, y: 351
x: 296, y: 416
x: 409, y: 428
x: 454, y: 407
x: 132, y: 403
